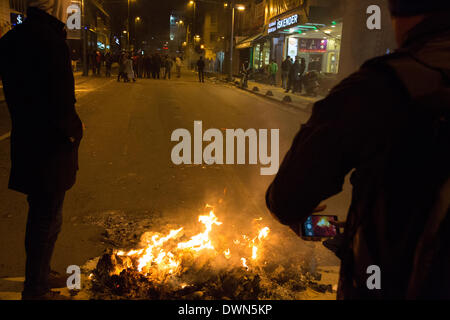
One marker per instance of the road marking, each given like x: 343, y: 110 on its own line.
x: 5, y: 136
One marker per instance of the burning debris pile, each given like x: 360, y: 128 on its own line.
x: 176, y: 266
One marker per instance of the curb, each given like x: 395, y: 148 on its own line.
x: 307, y: 109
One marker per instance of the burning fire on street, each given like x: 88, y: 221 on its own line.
x: 204, y: 265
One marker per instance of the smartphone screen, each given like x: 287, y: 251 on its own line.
x: 320, y: 226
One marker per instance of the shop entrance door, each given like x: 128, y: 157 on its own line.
x: 315, y: 62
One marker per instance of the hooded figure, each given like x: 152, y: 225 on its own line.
x: 46, y: 132
x: 56, y: 8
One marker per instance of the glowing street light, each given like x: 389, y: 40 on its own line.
x: 240, y: 7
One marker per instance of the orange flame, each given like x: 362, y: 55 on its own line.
x: 162, y: 255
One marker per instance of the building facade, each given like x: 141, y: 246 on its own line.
x: 177, y: 32
x: 307, y: 29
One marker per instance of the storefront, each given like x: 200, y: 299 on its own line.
x: 261, y: 54
x: 320, y: 47
x: 318, y: 43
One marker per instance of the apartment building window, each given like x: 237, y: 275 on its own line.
x: 18, y: 5
x: 213, y: 20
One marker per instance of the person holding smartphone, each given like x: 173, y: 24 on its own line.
x: 389, y: 122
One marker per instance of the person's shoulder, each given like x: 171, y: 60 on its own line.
x: 13, y: 34
x: 375, y: 87
x: 375, y: 75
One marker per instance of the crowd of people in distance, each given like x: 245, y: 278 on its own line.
x: 132, y: 65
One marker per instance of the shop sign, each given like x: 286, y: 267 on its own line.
x: 16, y: 18
x: 313, y: 45
x: 283, y: 23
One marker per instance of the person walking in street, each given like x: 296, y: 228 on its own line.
x: 389, y: 125
x: 168, y: 63
x: 156, y: 63
x: 45, y: 136
x: 201, y: 69
x: 178, y: 64
x: 98, y: 62
x: 108, y: 64
x: 245, y: 71
x: 273, y: 70
x: 140, y: 66
x: 75, y: 57
x: 92, y: 62
x: 129, y: 70
x: 122, y: 74
x: 285, y: 67
x: 135, y: 58
x: 147, y: 66
x: 163, y: 66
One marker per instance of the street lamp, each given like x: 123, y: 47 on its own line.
x: 240, y: 7
x: 129, y: 23
x: 194, y: 6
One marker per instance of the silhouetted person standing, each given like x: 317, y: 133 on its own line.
x: 389, y: 125
x: 156, y: 63
x: 147, y: 66
x: 46, y: 131
x: 295, y: 75
x: 168, y: 63
x: 178, y: 64
x: 201, y: 69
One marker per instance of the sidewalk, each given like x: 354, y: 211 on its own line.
x: 296, y: 100
x: 275, y: 93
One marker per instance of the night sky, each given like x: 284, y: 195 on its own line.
x: 154, y: 15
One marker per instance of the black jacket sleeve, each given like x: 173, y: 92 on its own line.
x: 345, y: 129
x: 63, y: 116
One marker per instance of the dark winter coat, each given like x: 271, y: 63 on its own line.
x: 201, y: 64
x: 286, y: 65
x: 296, y: 71
x: 352, y: 129
x: 46, y: 130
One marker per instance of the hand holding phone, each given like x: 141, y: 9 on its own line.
x: 318, y: 227
x: 297, y: 228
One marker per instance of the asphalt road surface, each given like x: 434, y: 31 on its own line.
x: 126, y: 168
